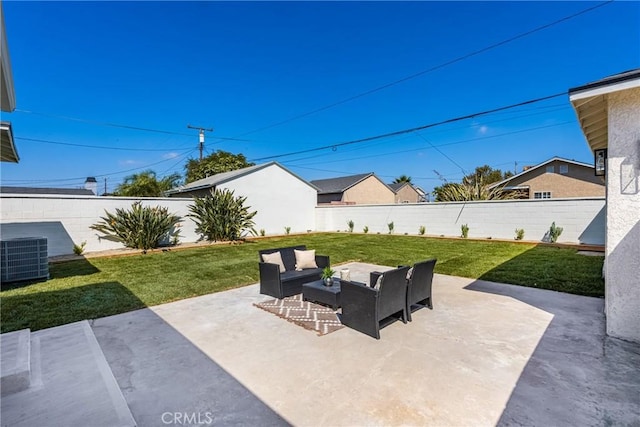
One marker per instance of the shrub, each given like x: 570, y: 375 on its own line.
x: 350, y: 224
x: 78, y: 249
x: 390, y: 225
x: 287, y: 230
x: 142, y: 227
x: 221, y: 216
x: 465, y: 231
x: 365, y: 229
x: 519, y: 233
x: 422, y: 230
x: 554, y: 232
x: 262, y: 232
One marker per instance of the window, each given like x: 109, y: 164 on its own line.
x: 542, y: 195
x: 550, y: 169
x: 564, y: 169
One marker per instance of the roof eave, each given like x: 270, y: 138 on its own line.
x: 8, y: 151
x: 7, y: 94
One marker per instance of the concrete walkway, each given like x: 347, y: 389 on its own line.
x: 488, y: 354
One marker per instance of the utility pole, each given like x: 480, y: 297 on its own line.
x: 202, y: 131
x: 105, y: 186
x: 515, y: 168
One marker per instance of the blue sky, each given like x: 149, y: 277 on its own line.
x: 240, y: 67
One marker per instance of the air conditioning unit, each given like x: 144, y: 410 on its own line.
x: 23, y: 259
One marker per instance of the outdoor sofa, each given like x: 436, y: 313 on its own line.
x: 283, y: 284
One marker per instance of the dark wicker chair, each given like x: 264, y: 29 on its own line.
x: 366, y: 309
x: 419, y: 286
x: 281, y: 285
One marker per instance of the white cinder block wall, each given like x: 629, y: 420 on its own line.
x: 65, y: 220
x: 582, y: 219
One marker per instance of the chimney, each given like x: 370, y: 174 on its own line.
x: 91, y: 184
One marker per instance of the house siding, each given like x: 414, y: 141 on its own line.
x: 407, y: 194
x: 369, y: 191
x: 580, y: 181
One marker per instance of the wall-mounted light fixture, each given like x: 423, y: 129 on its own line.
x: 600, y: 161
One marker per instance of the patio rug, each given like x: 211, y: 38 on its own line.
x: 322, y: 320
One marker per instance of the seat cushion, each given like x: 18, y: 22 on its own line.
x: 294, y: 275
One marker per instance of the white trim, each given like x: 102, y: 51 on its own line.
x: 603, y: 90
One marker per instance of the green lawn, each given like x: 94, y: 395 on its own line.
x: 98, y: 287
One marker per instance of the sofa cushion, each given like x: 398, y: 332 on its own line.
x: 378, y: 283
x: 305, y: 259
x: 274, y: 258
x: 311, y: 273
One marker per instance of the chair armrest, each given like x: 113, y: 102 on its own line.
x: 354, y: 295
x: 322, y: 261
x: 269, y: 271
x: 373, y: 277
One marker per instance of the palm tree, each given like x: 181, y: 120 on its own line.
x: 472, y: 189
x: 401, y: 179
x: 146, y: 184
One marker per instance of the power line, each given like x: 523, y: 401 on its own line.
x: 440, y: 145
x: 400, y: 132
x: 116, y: 125
x: 429, y: 70
x: 102, y: 147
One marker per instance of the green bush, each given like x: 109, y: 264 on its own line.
x: 465, y: 231
x: 519, y: 233
x: 390, y: 225
x: 350, y: 224
x: 365, y: 229
x: 422, y: 230
x: 78, y: 249
x: 142, y: 227
x: 554, y: 232
x: 287, y: 230
x: 262, y: 232
x: 221, y: 216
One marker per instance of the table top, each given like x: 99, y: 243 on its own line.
x: 319, y: 284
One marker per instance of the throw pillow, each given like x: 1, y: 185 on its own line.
x: 305, y: 259
x: 378, y: 282
x: 274, y: 258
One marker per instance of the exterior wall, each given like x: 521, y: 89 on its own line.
x: 281, y: 199
x: 407, y: 194
x: 65, y: 220
x: 370, y: 191
x: 622, y: 274
x: 579, y: 182
x: 583, y: 220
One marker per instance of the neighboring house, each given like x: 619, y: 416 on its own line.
x: 47, y: 191
x: 555, y: 179
x: 609, y: 114
x: 364, y: 188
x: 281, y: 198
x: 8, y: 152
x: 90, y: 189
x: 406, y: 193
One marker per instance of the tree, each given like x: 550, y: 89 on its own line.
x: 146, y: 184
x: 401, y: 179
x: 475, y: 186
x: 218, y: 162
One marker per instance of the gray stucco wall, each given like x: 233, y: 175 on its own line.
x: 622, y: 283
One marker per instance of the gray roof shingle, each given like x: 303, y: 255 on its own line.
x: 34, y: 190
x: 339, y: 184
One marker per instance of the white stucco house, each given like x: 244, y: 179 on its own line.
x: 281, y: 198
x: 609, y: 114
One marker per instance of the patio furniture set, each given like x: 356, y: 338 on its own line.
x: 389, y: 296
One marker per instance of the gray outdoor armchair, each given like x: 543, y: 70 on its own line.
x: 367, y: 309
x: 419, y: 286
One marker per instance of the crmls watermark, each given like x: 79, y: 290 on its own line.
x: 187, y: 418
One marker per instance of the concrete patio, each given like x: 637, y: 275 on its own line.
x: 488, y: 354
